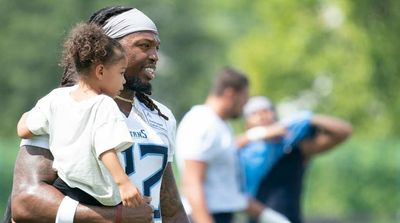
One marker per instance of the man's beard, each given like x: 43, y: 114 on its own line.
x: 235, y: 114
x: 135, y: 84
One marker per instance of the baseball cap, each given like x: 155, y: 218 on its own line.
x: 257, y: 103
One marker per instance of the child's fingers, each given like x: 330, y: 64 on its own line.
x: 131, y: 203
x: 132, y: 199
x: 146, y: 199
x: 138, y: 197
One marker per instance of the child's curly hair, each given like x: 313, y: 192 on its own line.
x: 87, y: 44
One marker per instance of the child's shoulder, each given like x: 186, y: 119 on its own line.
x: 57, y: 93
x: 106, y: 101
x: 61, y: 90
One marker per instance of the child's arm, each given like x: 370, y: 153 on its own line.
x: 130, y: 195
x: 22, y: 128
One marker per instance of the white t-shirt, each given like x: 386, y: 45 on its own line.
x: 145, y: 161
x: 203, y: 136
x: 79, y: 133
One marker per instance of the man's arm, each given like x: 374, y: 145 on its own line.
x: 261, y: 132
x: 34, y: 199
x: 193, y: 181
x: 171, y: 206
x: 330, y: 132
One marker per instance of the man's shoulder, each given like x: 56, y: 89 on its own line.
x: 161, y: 106
x: 164, y: 109
x: 200, y: 119
x: 203, y: 114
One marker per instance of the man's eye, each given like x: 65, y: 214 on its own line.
x: 145, y: 45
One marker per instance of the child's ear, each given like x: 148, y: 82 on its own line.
x: 99, y: 71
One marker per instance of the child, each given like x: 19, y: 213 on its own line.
x: 85, y: 125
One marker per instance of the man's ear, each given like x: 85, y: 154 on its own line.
x: 99, y: 69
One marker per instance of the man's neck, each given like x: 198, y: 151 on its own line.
x: 124, y: 106
x: 127, y: 94
x: 217, y: 105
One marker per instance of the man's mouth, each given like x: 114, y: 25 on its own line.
x: 150, y: 72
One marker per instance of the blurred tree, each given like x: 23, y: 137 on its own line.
x: 31, y: 40
x: 360, y: 187
x: 380, y: 20
x: 293, y: 45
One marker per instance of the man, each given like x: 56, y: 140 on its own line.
x: 206, y: 152
x: 152, y: 127
x: 275, y: 154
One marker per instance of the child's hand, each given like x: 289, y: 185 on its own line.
x: 130, y: 195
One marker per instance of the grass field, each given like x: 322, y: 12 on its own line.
x: 358, y: 182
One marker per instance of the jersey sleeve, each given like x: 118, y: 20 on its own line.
x: 299, y: 127
x: 110, y: 129
x: 38, y: 117
x: 41, y: 141
x: 171, y: 137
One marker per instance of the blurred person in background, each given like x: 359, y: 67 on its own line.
x: 152, y: 127
x: 274, y: 154
x: 206, y: 153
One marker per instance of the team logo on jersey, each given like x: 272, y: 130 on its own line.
x: 155, y: 121
x: 139, y: 134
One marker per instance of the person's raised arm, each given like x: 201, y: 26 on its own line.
x: 172, y: 210
x: 330, y: 131
x: 22, y: 129
x: 34, y: 199
x: 260, y: 133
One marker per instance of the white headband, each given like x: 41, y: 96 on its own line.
x: 128, y: 22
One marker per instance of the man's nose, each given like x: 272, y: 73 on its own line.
x: 153, y: 54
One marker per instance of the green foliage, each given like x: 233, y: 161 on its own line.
x: 284, y: 46
x: 292, y: 43
x: 382, y: 28
x: 9, y: 148
x: 357, y: 180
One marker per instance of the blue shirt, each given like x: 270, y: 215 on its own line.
x: 257, y: 158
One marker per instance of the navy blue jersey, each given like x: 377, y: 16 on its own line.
x: 281, y: 188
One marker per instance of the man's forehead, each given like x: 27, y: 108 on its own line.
x: 143, y: 35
